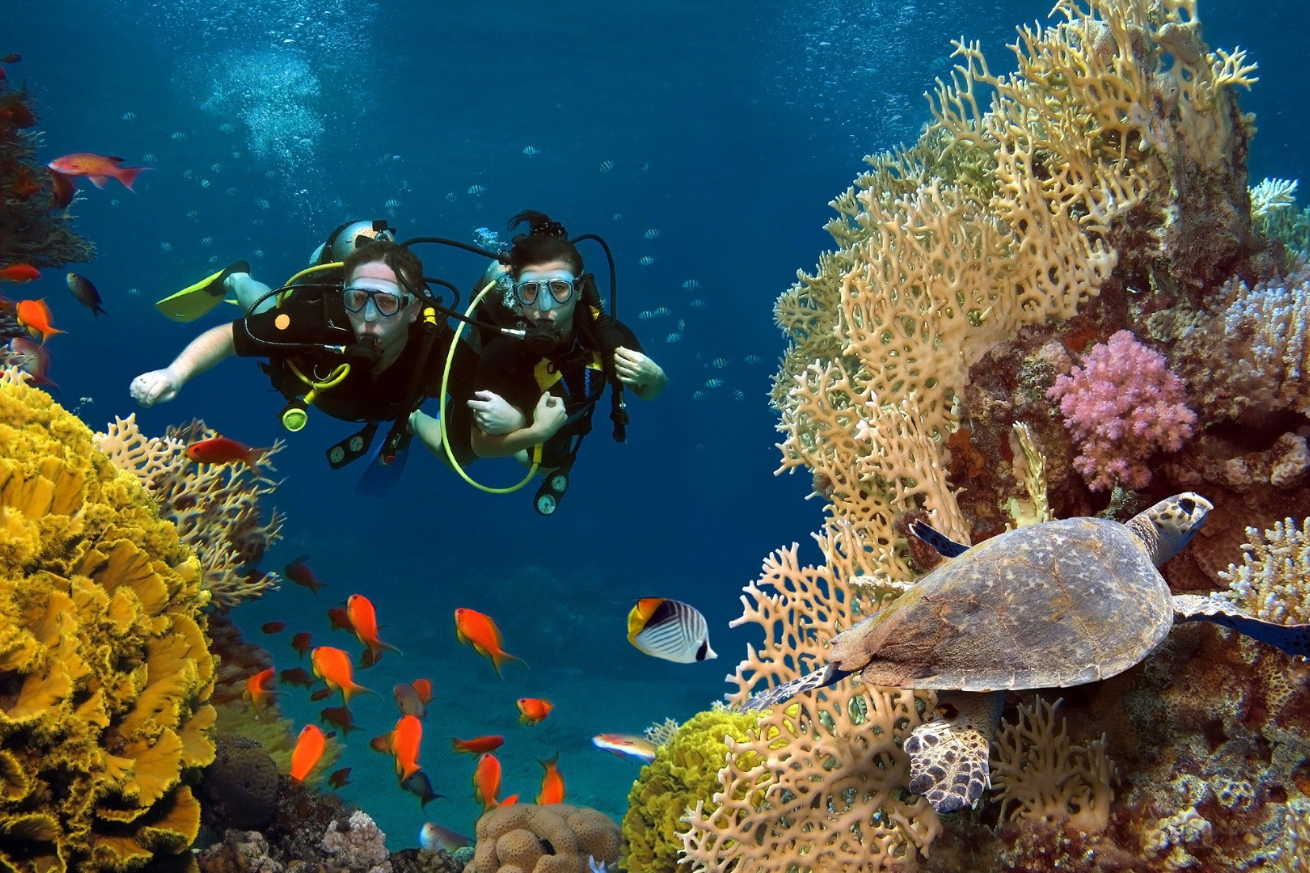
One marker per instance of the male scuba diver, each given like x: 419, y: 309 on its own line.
x: 367, y: 347
x: 542, y: 389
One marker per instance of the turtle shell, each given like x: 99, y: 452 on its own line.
x: 1055, y: 604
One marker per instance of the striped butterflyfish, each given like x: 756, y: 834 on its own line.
x: 670, y: 629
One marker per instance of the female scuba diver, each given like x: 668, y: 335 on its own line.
x: 370, y: 349
x: 543, y: 388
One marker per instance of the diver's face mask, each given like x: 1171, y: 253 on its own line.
x: 545, y: 289
x: 384, y: 301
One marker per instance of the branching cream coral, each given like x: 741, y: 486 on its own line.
x: 214, y: 506
x: 1273, y: 582
x: 1041, y: 775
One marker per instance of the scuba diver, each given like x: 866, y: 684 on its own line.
x: 542, y: 388
x: 366, y: 346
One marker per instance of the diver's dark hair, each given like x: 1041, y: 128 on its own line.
x: 546, y: 240
x: 407, y: 266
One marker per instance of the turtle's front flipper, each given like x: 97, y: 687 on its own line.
x: 1291, y: 638
x: 948, y: 754
x: 821, y: 678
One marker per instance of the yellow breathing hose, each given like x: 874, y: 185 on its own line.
x: 445, y: 436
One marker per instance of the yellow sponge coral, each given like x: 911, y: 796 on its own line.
x: 105, y: 672
x: 684, y: 773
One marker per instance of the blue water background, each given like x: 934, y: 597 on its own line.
x: 729, y: 126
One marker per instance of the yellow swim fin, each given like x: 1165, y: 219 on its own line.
x: 195, y: 300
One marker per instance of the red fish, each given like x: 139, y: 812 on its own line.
x: 486, y: 782
x: 298, y: 571
x: 297, y: 676
x: 221, y: 450
x: 339, y: 778
x: 309, y: 749
x: 339, y: 619
x: 403, y: 742
x: 62, y: 189
x: 481, y: 633
x: 363, y: 618
x: 423, y: 687
x: 32, y: 358
x: 302, y: 643
x: 273, y: 627
x: 19, y: 273
x: 534, y: 709
x: 552, y: 783
x: 321, y: 694
x: 257, y: 692
x: 35, y: 315
x: 333, y: 667
x: 477, y: 745
x: 98, y: 168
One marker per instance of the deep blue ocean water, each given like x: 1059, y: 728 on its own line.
x: 726, y: 126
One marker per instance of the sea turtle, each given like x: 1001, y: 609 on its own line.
x: 1050, y: 605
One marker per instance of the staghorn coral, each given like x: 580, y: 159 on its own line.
x: 1040, y: 774
x: 1273, y: 582
x: 685, y: 770
x: 215, y: 506
x: 559, y: 838
x: 1122, y: 406
x: 104, y: 669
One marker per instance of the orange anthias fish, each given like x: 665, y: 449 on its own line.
x: 364, y: 619
x: 477, y: 745
x: 19, y: 273
x: 481, y: 633
x: 221, y: 450
x: 309, y: 749
x: 98, y: 168
x: 298, y: 571
x: 333, y: 667
x: 486, y: 782
x: 257, y: 691
x: 403, y: 742
x: 552, y: 783
x: 35, y: 315
x: 534, y: 709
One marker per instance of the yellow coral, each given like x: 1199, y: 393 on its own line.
x: 102, y: 652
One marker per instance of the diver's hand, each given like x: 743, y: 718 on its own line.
x: 494, y: 415
x: 157, y: 386
x: 548, y: 417
x: 635, y: 368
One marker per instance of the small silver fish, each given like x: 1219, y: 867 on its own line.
x: 653, y: 233
x: 225, y: 128
x: 392, y: 203
x: 713, y: 383
x: 262, y: 203
x: 606, y: 166
x: 646, y: 260
x: 531, y: 151
x: 433, y: 836
x: 215, y: 168
x: 149, y: 158
x: 188, y: 174
x: 752, y: 359
x: 165, y: 247
x: 645, y: 314
x: 697, y: 394
x: 691, y: 284
x: 129, y: 116
x: 697, y: 303
x: 719, y: 363
x: 475, y: 190
x: 179, y: 136
x: 673, y: 337
x: 207, y: 241
x: 205, y: 183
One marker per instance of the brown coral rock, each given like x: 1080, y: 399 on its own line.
x: 558, y: 838
x: 240, y: 788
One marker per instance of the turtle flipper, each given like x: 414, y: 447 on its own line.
x: 948, y: 754
x: 945, y: 546
x: 829, y: 675
x: 1294, y: 639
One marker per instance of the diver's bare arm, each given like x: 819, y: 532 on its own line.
x: 548, y: 417
x: 203, y: 352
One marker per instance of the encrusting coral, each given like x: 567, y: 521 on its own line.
x: 105, y: 672
x: 214, y: 506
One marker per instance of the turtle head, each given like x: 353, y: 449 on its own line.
x: 1170, y: 525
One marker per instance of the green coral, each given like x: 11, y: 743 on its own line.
x: 685, y: 770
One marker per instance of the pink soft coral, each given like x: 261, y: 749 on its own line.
x: 1122, y: 406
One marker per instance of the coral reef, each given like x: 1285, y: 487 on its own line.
x: 1103, y: 189
x: 1273, y: 582
x: 559, y: 838
x: 685, y: 770
x: 105, y: 672
x: 239, y: 789
x: 215, y: 506
x: 35, y: 228
x: 357, y: 844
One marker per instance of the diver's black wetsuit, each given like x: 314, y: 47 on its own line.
x: 508, y: 368
x: 361, y: 396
